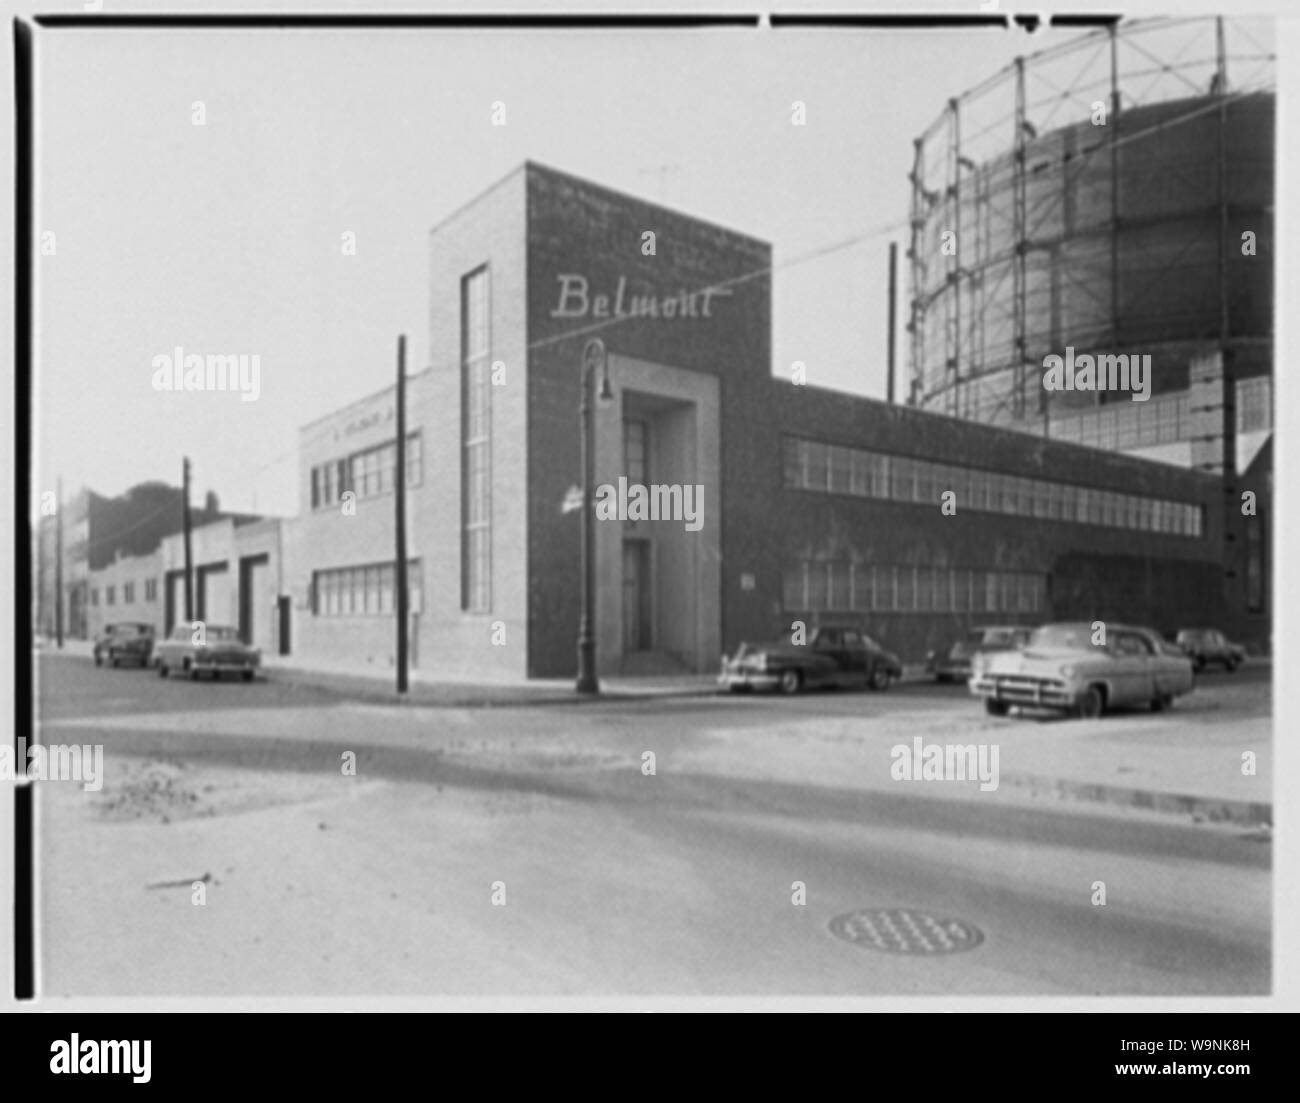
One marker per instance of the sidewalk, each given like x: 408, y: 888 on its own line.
x: 430, y: 688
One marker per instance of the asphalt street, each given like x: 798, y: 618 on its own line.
x: 529, y: 851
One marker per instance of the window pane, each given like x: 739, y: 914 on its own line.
x: 902, y: 478
x: 942, y: 583
x: 818, y: 465
x: 924, y: 589
x: 961, y: 590
x: 906, y: 583
x: 840, y: 465
x: 816, y: 586
x: 792, y: 583
x: 839, y: 595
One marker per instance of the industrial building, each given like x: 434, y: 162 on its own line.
x: 813, y: 501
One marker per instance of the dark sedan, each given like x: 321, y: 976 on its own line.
x: 124, y: 642
x: 1208, y: 645
x: 954, y: 665
x: 831, y: 656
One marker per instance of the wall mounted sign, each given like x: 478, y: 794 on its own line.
x: 577, y: 301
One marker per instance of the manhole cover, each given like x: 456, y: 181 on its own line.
x: 905, y: 931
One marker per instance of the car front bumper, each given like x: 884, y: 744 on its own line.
x: 1014, y: 689
x: 748, y: 679
x: 224, y: 664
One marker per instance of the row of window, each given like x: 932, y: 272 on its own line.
x: 366, y: 474
x: 362, y: 591
x: 1121, y: 425
x: 815, y: 465
x: 128, y: 593
x: 838, y: 586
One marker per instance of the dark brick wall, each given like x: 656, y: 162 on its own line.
x: 1178, y: 577
x: 577, y: 227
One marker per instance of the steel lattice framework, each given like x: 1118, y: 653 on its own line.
x: 1094, y: 195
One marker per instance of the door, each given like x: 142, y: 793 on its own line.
x: 213, y: 597
x: 1132, y: 666
x: 637, y: 607
x: 255, y: 612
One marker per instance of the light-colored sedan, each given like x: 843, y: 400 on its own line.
x: 1062, y: 668
x: 192, y: 649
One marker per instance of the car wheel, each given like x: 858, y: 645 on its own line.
x: 1231, y: 665
x: 112, y: 661
x: 791, y: 681
x: 193, y: 671
x: 1199, y: 664
x: 248, y: 675
x: 996, y: 708
x: 1162, y: 702
x: 99, y: 659
x: 162, y: 669
x: 878, y: 679
x: 1092, y: 704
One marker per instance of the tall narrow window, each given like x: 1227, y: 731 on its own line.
x: 476, y: 446
x: 634, y: 449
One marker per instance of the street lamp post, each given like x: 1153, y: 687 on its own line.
x: 592, y: 356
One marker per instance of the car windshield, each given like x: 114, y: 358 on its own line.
x: 224, y: 635
x: 999, y: 637
x: 1076, y: 637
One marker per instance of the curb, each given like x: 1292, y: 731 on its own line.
x: 1243, y: 813
x: 453, y: 695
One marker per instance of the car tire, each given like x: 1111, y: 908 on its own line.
x: 162, y: 669
x: 112, y: 661
x: 192, y: 671
x: 996, y: 708
x: 1231, y: 665
x: 1198, y: 664
x: 248, y: 675
x: 878, y: 679
x: 1092, y: 704
x: 791, y: 681
x: 1162, y: 702
x: 99, y: 659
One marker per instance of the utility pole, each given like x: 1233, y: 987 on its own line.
x: 189, y: 558
x: 399, y: 526
x: 40, y: 577
x: 58, y: 562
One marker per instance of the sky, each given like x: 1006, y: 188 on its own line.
x: 226, y: 237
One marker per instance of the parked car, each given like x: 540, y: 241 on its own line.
x: 954, y: 665
x: 214, y: 648
x: 1208, y: 645
x: 832, y: 656
x: 125, y: 641
x: 1061, y: 668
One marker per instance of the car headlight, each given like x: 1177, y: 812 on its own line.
x: 1068, y: 671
